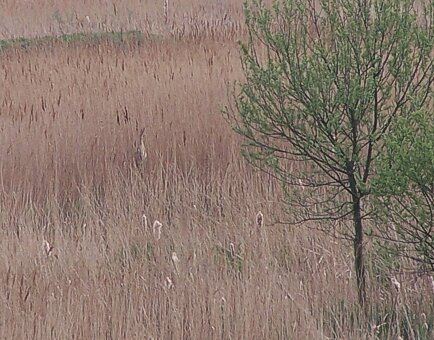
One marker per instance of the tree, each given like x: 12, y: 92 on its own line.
x: 404, y: 188
x: 324, y: 81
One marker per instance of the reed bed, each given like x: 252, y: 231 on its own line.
x: 188, y: 242
x: 40, y: 18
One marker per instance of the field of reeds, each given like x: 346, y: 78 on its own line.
x: 191, y: 242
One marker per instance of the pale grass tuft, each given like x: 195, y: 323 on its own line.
x: 156, y: 229
x: 47, y: 248
x: 175, y: 262
x: 168, y: 283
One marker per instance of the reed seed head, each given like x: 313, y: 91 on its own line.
x: 168, y: 283
x: 47, y: 248
x: 145, y: 221
x: 431, y: 281
x: 232, y: 249
x: 140, y: 154
x: 175, y: 262
x: 396, y: 284
x: 156, y: 229
x: 175, y: 258
x: 260, y: 219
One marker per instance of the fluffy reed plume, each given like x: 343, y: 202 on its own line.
x: 140, y: 154
x: 431, y: 281
x: 84, y: 228
x: 400, y: 308
x: 166, y: 11
x: 168, y: 283
x: 156, y: 230
x: 231, y: 253
x: 301, y: 183
x: 260, y: 219
x: 145, y: 221
x: 175, y: 262
x: 232, y: 249
x: 84, y: 21
x: 47, y: 248
x: 424, y: 321
x: 396, y: 284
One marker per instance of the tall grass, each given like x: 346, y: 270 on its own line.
x: 185, y: 246
x: 191, y: 17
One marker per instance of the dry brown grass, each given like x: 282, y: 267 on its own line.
x: 69, y: 119
x: 42, y: 17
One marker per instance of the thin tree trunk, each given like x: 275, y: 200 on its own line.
x: 359, y: 261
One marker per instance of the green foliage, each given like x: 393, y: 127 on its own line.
x: 404, y: 186
x: 136, y: 251
x: 231, y: 261
x: 398, y: 319
x: 408, y: 158
x: 386, y: 320
x: 382, y: 262
x: 324, y: 83
x: 340, y: 315
x: 323, y: 86
x: 95, y: 37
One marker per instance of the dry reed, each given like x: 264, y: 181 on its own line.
x: 69, y: 115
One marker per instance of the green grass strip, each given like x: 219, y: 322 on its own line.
x: 92, y: 38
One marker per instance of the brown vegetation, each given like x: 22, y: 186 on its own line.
x: 39, y: 18
x: 81, y: 256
